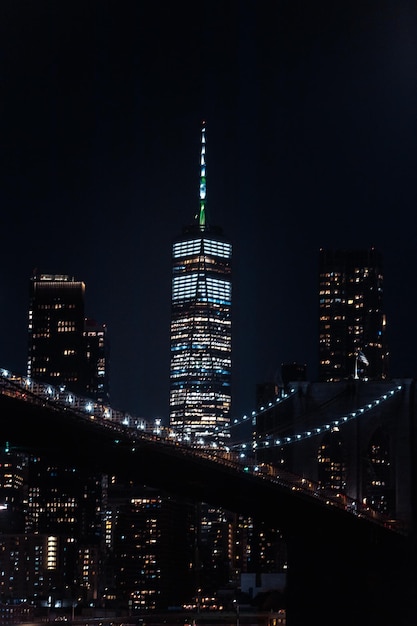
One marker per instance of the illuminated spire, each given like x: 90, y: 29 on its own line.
x: 202, y: 213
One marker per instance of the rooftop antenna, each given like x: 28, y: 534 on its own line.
x: 202, y: 213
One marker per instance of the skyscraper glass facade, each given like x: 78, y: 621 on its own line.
x: 56, y: 325
x: 201, y: 327
x: 352, y: 322
x: 64, y: 347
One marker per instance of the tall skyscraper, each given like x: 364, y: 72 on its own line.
x: 201, y: 363
x: 65, y: 347
x: 152, y: 550
x: 96, y: 361
x: 201, y: 328
x: 56, y: 326
x: 352, y: 322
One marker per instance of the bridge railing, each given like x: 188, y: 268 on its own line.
x: 58, y: 398
x: 64, y: 398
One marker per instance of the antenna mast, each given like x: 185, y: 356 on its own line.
x: 202, y: 213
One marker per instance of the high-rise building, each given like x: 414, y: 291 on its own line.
x: 56, y: 327
x: 13, y: 490
x: 201, y: 363
x: 65, y: 347
x: 201, y: 326
x: 152, y: 551
x: 352, y: 322
x: 96, y: 361
x: 67, y: 503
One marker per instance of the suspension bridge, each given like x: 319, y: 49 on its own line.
x: 339, y: 550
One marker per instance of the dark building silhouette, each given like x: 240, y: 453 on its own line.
x: 97, y: 358
x: 56, y: 328
x: 352, y: 321
x: 266, y: 392
x: 66, y: 505
x: 292, y: 372
x: 14, y: 468
x: 153, y: 550
x: 64, y: 347
x: 50, y: 531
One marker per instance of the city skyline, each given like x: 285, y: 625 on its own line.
x: 310, y: 141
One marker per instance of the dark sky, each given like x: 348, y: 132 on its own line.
x: 310, y: 110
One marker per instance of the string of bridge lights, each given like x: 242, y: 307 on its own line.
x: 331, y: 426
x: 92, y: 408
x: 264, y: 409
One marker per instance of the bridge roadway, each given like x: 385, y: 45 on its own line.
x: 346, y: 568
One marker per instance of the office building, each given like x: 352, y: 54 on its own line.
x: 352, y: 321
x: 67, y: 503
x: 96, y: 361
x: 64, y: 347
x: 13, y: 490
x: 201, y: 329
x: 152, y: 551
x: 201, y: 362
x: 56, y: 327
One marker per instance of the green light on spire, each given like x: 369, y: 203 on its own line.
x: 202, y: 216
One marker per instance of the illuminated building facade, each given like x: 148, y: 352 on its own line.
x: 352, y: 322
x: 56, y: 327
x: 152, y: 551
x: 201, y: 332
x: 67, y: 504
x: 65, y: 347
x: 13, y: 494
x: 96, y: 361
x: 48, y: 528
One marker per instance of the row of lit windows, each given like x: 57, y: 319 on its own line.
x: 218, y: 341
x: 206, y: 246
x: 217, y: 248
x: 328, y: 303
x: 194, y: 263
x: 187, y: 357
x: 201, y: 361
x: 203, y: 319
x: 196, y: 378
x: 191, y: 278
x: 201, y: 323
x: 182, y: 308
x: 202, y: 333
x: 52, y: 307
x: 184, y: 248
x: 220, y: 333
x: 209, y: 398
x: 185, y: 287
x: 197, y: 396
x: 65, y: 325
x: 185, y: 351
x: 199, y: 373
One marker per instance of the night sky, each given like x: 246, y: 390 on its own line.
x: 310, y: 111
